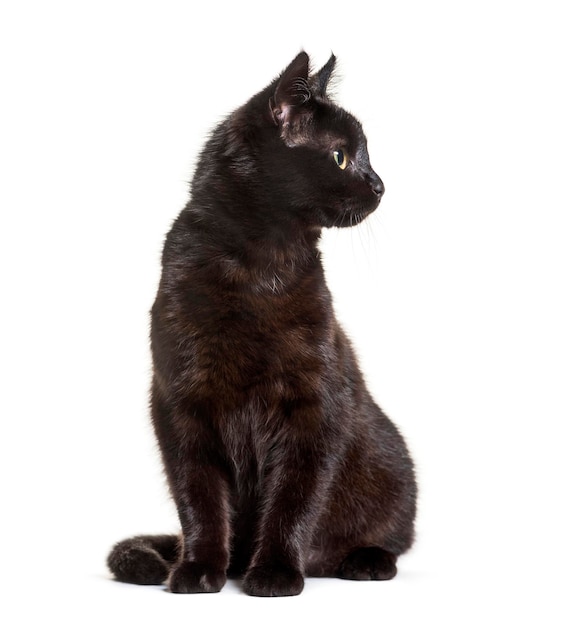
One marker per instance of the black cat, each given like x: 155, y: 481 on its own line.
x: 280, y: 463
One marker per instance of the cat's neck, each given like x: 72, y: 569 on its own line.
x: 266, y: 259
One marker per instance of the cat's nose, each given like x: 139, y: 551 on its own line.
x: 375, y: 183
x: 378, y: 188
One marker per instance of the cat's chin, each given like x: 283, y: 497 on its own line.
x: 352, y: 217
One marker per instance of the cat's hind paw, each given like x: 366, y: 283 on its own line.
x: 368, y: 564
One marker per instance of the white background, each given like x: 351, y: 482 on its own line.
x: 457, y: 292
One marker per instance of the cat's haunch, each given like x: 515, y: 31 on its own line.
x: 280, y: 463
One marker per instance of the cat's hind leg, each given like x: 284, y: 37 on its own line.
x: 369, y: 563
x: 353, y: 563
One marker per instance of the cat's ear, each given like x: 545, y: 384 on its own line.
x: 321, y: 79
x: 292, y: 92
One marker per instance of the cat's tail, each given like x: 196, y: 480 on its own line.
x: 144, y: 560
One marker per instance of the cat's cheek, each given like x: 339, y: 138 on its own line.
x: 331, y: 216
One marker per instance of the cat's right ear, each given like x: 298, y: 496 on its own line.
x: 292, y: 92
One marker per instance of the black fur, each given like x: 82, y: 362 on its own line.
x: 279, y: 461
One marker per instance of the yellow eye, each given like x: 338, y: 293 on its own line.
x: 341, y: 159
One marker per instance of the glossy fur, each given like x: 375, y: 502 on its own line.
x: 280, y: 463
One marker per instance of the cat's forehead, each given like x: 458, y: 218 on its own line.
x: 335, y: 127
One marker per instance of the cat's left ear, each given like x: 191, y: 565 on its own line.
x: 320, y: 80
x: 292, y: 92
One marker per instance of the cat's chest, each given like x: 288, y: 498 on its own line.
x: 276, y: 348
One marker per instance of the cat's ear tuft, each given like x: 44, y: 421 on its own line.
x: 292, y: 91
x: 321, y: 79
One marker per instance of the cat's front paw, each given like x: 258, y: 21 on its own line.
x: 273, y: 580
x: 196, y: 578
x: 368, y: 564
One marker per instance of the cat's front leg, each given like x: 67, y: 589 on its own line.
x: 202, y: 503
x: 293, y: 496
x: 199, y: 485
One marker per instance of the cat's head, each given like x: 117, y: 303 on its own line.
x: 316, y: 155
